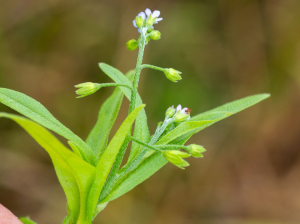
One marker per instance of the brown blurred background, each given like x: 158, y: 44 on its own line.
x: 226, y: 50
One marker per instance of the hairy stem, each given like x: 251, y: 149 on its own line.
x: 144, y: 144
x: 137, y: 70
x: 153, y: 67
x: 115, y: 84
x: 113, y: 177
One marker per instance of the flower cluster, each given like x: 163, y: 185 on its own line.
x: 142, y: 21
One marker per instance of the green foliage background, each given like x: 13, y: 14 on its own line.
x: 226, y: 50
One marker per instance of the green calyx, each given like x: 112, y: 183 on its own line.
x: 87, y: 88
x: 195, y: 150
x: 172, y: 74
x: 150, y: 20
x: 170, y: 112
x: 181, y: 117
x: 175, y: 157
x: 139, y: 21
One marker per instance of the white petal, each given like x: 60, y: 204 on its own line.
x: 188, y: 118
x: 148, y: 12
x: 178, y: 107
x: 139, y: 30
x: 155, y: 22
x: 184, y: 110
x: 158, y: 19
x: 142, y: 14
x: 134, y: 23
x: 152, y: 27
x: 156, y: 13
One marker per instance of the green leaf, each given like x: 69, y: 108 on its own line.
x: 232, y: 108
x: 156, y: 161
x: 75, y: 148
x: 27, y: 220
x: 190, y: 127
x: 75, y: 175
x: 109, y: 110
x: 37, y: 112
x: 107, y: 160
x: 235, y: 106
x: 98, y: 137
x: 141, y: 130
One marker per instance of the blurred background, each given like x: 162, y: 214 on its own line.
x: 225, y: 49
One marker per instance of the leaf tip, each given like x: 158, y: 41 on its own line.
x: 265, y: 95
x: 101, y: 64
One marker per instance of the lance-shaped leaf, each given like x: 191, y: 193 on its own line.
x: 107, y: 160
x: 191, y: 126
x: 232, y: 108
x: 141, y: 130
x: 74, y: 174
x: 37, y: 112
x: 109, y: 110
x: 156, y: 161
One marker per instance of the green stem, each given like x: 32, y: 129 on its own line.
x: 144, y: 144
x: 114, y: 84
x: 113, y: 177
x: 153, y: 67
x: 160, y: 130
x: 138, y: 70
x: 163, y: 147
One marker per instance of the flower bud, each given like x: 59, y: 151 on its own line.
x: 87, y: 88
x: 132, y: 44
x: 170, y: 112
x: 172, y: 74
x: 155, y: 35
x: 139, y: 21
x: 175, y: 157
x: 195, y: 150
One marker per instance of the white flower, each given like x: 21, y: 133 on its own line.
x: 185, y: 110
x: 155, y: 14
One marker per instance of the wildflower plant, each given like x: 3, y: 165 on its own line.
x: 90, y: 173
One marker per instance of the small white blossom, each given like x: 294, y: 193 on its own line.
x: 155, y: 14
x: 183, y: 110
